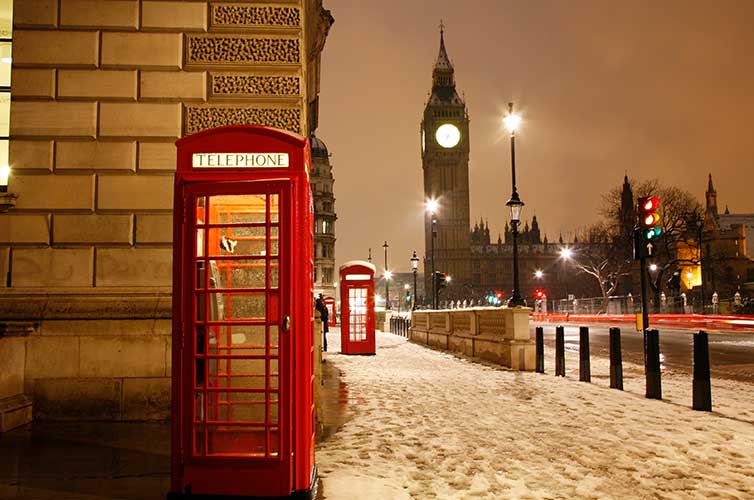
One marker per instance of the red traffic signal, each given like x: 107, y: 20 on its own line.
x: 649, y: 204
x: 539, y: 294
x: 499, y: 295
x: 648, y: 216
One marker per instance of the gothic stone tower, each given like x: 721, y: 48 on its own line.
x: 445, y: 161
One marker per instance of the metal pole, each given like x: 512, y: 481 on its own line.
x: 413, y: 303
x: 387, y: 281
x: 515, y: 299
x: 432, y: 278
x: 701, y: 264
x: 644, y: 302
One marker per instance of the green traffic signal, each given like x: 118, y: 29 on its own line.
x: 652, y: 233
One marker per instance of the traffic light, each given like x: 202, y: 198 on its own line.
x: 539, y: 294
x: 649, y: 218
x: 441, y: 279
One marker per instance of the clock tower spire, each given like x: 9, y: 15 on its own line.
x: 445, y: 161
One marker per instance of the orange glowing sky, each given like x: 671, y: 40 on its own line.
x: 659, y: 89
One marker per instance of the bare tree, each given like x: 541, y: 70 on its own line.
x: 601, y: 255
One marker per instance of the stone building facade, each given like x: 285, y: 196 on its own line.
x: 322, y: 183
x: 727, y: 250
x: 101, y: 90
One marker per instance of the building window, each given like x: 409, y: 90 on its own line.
x: 327, y: 275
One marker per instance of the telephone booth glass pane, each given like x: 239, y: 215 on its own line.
x: 236, y: 302
x: 357, y: 302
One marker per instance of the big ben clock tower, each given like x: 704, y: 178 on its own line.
x: 445, y: 162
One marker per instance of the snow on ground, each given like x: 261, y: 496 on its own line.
x: 427, y: 424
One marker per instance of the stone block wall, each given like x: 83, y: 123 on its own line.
x: 101, y: 90
x: 500, y: 335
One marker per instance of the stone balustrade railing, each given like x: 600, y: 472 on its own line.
x: 500, y: 335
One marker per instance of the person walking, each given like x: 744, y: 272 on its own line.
x: 324, y: 315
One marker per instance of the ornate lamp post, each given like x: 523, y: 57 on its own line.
x: 415, y: 269
x: 512, y: 121
x: 432, y: 206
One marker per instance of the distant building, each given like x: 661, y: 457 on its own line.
x: 727, y: 248
x: 324, y: 219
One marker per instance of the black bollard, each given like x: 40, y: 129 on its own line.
x: 702, y: 386
x: 559, y: 351
x: 540, y: 336
x: 654, y: 380
x: 616, y: 360
x: 585, y: 369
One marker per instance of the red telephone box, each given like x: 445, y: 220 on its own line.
x: 330, y: 304
x: 243, y: 380
x: 357, y: 308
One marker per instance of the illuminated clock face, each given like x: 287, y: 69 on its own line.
x: 447, y: 135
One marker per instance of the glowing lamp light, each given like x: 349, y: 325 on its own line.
x: 538, y: 274
x: 432, y: 205
x: 566, y: 253
x: 388, y: 275
x: 653, y: 267
x: 406, y: 286
x: 447, y: 278
x: 689, y: 275
x: 512, y: 122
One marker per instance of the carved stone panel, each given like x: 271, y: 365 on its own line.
x: 238, y: 84
x: 238, y: 49
x: 238, y: 15
x: 200, y: 118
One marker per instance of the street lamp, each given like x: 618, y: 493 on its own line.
x: 653, y: 267
x: 388, y: 274
x: 432, y: 206
x: 512, y: 121
x: 415, y: 269
x: 538, y: 274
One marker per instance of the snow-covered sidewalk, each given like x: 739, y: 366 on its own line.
x: 427, y: 424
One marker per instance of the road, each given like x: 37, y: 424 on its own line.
x: 731, y: 354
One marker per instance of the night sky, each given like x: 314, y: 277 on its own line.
x: 657, y: 89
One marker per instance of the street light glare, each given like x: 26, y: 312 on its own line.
x: 653, y: 267
x: 512, y: 121
x: 388, y: 275
x: 566, y: 253
x: 432, y: 206
x: 406, y: 286
x: 689, y: 275
x: 538, y: 273
x: 447, y: 278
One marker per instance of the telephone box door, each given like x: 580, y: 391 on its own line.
x: 237, y: 349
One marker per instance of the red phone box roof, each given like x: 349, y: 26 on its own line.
x: 242, y: 148
x: 357, y: 270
